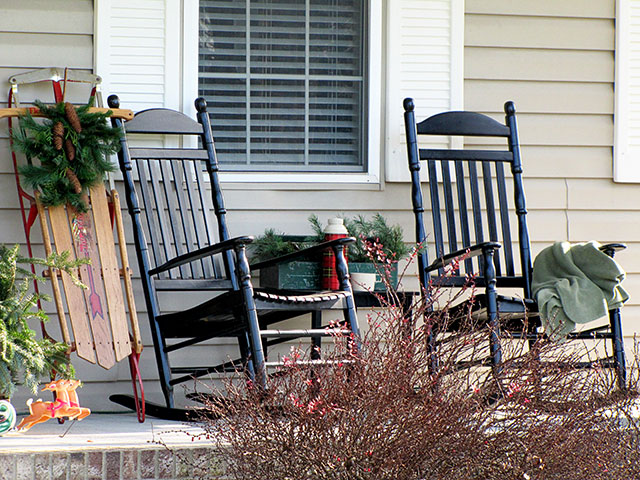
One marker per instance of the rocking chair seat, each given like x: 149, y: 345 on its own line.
x: 511, y: 313
x: 220, y: 310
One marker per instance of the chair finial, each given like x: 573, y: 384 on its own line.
x: 510, y: 108
x: 201, y: 105
x: 408, y: 104
x: 113, y: 101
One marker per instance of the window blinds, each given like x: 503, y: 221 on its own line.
x: 284, y: 83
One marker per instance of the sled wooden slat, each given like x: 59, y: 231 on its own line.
x: 126, y: 274
x: 53, y: 275
x: 75, y: 297
x: 110, y: 272
x: 84, y: 240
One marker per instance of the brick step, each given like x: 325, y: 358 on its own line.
x: 146, y: 463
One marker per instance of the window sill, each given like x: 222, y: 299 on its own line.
x: 295, y: 181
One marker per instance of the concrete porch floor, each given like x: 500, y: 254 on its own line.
x: 101, y: 431
x: 107, y: 447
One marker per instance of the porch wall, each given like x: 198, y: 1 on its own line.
x: 553, y: 59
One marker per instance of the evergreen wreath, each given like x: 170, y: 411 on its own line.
x: 73, y: 147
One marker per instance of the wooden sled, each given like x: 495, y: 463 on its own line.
x: 97, y: 326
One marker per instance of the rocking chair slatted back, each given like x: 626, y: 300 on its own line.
x: 470, y: 195
x: 175, y: 202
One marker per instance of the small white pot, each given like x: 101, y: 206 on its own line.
x: 363, y: 282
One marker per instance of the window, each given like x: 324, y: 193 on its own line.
x: 285, y: 83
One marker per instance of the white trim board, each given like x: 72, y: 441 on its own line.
x: 425, y: 52
x: 626, y: 137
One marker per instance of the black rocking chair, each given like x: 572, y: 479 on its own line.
x: 183, y: 245
x: 471, y: 212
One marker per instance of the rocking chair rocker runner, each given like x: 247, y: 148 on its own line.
x: 470, y: 215
x: 175, y: 222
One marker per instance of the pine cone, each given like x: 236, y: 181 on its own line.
x: 70, y: 150
x: 72, y: 117
x: 58, y: 135
x: 77, y: 188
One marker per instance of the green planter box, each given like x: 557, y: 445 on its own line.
x: 306, y: 275
x: 292, y: 276
x: 367, y: 267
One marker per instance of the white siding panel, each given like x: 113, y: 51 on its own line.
x: 424, y: 54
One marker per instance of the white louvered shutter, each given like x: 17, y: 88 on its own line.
x: 627, y: 93
x: 425, y: 50
x: 137, y: 51
x: 284, y: 83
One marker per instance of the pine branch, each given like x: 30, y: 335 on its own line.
x: 87, y: 140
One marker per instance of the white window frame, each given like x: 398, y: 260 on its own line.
x: 373, y: 108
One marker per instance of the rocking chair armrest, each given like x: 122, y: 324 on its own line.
x: 611, y: 248
x: 207, y: 251
x: 305, y: 251
x: 468, y: 252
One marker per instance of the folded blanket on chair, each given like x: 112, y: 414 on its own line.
x: 575, y: 283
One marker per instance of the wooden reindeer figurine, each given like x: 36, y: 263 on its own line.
x: 65, y: 405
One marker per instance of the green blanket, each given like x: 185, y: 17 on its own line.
x: 575, y: 283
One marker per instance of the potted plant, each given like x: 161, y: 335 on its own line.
x: 379, y: 247
x: 24, y: 358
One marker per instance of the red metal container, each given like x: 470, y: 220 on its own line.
x: 335, y: 229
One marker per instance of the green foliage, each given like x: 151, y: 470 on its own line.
x: 270, y: 245
x: 273, y: 244
x: 23, y: 357
x: 375, y: 230
x: 93, y: 145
